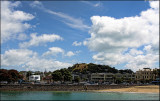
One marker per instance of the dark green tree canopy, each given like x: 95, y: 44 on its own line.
x: 62, y: 75
x: 9, y: 75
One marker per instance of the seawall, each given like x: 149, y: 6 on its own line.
x: 59, y: 87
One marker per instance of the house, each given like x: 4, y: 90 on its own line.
x: 48, y: 79
x: 35, y: 78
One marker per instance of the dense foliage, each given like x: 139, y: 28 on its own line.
x: 10, y: 75
x: 62, y: 75
x: 94, y: 68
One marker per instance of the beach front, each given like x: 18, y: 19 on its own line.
x: 92, y: 88
x: 137, y: 89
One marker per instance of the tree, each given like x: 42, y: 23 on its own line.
x: 66, y: 75
x: 126, y: 71
x: 14, y: 74
x: 77, y: 79
x: 20, y: 76
x: 29, y: 73
x: 62, y: 75
x: 4, y: 76
x: 57, y: 75
x: 9, y: 75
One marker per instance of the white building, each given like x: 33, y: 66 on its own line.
x: 34, y: 78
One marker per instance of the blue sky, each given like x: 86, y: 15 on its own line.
x: 39, y: 35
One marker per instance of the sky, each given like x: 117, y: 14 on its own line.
x: 50, y: 35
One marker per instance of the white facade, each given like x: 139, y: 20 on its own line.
x: 34, y: 78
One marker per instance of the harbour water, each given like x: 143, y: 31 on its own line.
x: 57, y: 95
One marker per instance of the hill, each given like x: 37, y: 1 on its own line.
x: 92, y: 68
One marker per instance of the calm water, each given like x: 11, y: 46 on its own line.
x: 50, y: 95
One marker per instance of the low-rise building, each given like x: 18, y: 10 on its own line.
x: 112, y: 78
x: 35, y: 78
x: 146, y: 75
x: 109, y: 77
x: 98, y: 77
x: 48, y: 79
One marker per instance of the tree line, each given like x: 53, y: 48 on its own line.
x: 10, y: 76
x: 64, y: 74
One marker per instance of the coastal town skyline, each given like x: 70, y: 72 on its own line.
x: 39, y: 35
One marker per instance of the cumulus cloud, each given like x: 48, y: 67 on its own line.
x: 22, y: 36
x: 75, y: 43
x: 41, y: 64
x: 135, y: 52
x: 13, y: 22
x: 53, y: 51
x: 16, y: 57
x: 67, y: 19
x: 119, y: 40
x: 30, y: 60
x: 70, y: 53
x: 40, y: 40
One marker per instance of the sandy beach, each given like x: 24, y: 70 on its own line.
x: 140, y: 89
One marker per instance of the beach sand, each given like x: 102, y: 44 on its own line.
x: 139, y: 89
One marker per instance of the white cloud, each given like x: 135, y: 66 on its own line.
x: 13, y: 22
x: 135, y: 52
x: 15, y: 57
x: 70, y: 53
x: 92, y: 4
x: 147, y: 48
x: 29, y: 60
x: 22, y: 36
x: 67, y: 19
x: 154, y: 4
x: 112, y: 37
x: 143, y: 61
x: 53, y: 51
x: 40, y: 40
x: 42, y: 64
x: 75, y: 43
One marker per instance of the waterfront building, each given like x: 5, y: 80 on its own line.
x: 109, y: 77
x: 146, y: 75
x: 48, y: 79
x: 97, y: 77
x: 112, y: 78
x: 129, y: 77
x: 35, y: 78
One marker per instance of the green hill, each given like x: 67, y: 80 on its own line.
x: 91, y: 68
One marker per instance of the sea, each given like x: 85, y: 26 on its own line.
x: 86, y: 95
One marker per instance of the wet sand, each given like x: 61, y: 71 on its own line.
x: 137, y: 89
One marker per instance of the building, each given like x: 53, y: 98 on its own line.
x: 146, y: 75
x: 74, y: 76
x: 109, y: 77
x: 35, y: 78
x: 112, y: 78
x: 48, y: 79
x: 98, y: 77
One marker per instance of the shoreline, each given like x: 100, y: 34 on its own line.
x: 135, y: 89
x: 82, y: 88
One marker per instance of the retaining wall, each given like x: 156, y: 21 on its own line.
x: 58, y: 87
